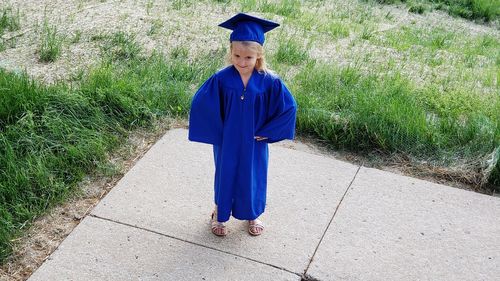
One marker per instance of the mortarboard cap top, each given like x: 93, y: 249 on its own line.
x: 248, y: 28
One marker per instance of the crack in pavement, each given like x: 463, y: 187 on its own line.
x: 197, y: 244
x: 305, y: 276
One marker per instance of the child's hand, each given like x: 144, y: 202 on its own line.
x: 258, y: 138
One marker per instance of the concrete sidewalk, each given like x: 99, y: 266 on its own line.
x: 325, y: 220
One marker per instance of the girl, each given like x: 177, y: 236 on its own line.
x: 239, y: 110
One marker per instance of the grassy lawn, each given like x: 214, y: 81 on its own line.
x: 484, y: 10
x: 51, y: 136
x: 365, y: 79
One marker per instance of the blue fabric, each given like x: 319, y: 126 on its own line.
x: 248, y: 31
x: 246, y: 27
x: 220, y: 117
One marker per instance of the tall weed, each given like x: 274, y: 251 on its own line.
x: 50, y: 43
x: 10, y: 20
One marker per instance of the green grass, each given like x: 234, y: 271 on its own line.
x: 248, y: 5
x: 149, y: 7
x: 120, y: 46
x: 50, y: 43
x: 418, y: 7
x: 286, y: 8
x: 342, y: 106
x: 307, y: 22
x: 408, y: 36
x: 181, y: 4
x: 51, y: 136
x: 76, y: 37
x: 467, y: 51
x: 10, y: 20
x: 486, y: 10
x: 156, y: 26
x: 363, y: 112
x: 290, y: 51
x: 366, y: 33
x: 470, y: 60
x: 482, y: 45
x: 338, y: 30
x: 49, y: 139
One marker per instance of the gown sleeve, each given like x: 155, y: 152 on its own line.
x: 280, y: 123
x: 206, y: 116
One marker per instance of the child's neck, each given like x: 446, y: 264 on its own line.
x: 245, y: 78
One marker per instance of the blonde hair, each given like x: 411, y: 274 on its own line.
x: 260, y: 65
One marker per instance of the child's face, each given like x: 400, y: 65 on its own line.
x: 243, y: 58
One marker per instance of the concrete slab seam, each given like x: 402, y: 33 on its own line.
x: 196, y: 244
x: 328, y: 226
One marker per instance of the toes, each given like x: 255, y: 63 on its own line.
x: 219, y: 230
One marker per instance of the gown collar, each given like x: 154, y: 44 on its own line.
x: 238, y: 76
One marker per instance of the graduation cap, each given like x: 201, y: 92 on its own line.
x: 248, y: 28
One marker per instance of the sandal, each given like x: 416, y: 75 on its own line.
x: 218, y: 228
x: 255, y: 227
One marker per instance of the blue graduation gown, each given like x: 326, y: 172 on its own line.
x: 227, y: 115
